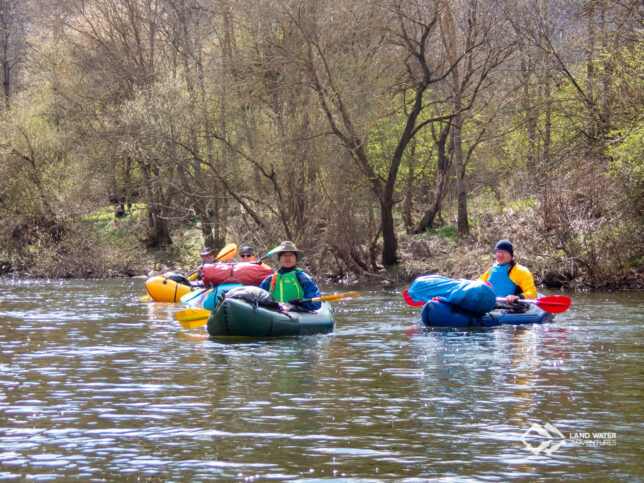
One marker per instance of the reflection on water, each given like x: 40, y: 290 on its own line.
x: 96, y: 385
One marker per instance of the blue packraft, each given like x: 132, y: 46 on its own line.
x: 437, y: 313
x: 472, y: 295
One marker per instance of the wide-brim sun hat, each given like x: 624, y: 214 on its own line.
x: 288, y: 246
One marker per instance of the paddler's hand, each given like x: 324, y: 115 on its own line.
x: 510, y: 299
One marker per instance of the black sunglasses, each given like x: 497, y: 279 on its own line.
x: 246, y: 255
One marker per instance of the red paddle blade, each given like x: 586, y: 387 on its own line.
x: 410, y: 301
x: 555, y: 304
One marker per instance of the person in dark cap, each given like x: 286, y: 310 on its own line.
x: 509, y: 279
x: 247, y: 254
x: 291, y: 283
x: 207, y: 256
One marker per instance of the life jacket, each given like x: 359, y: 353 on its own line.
x: 500, y: 280
x: 285, y: 287
x: 521, y: 277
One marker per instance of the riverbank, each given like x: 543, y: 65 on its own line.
x: 108, y: 247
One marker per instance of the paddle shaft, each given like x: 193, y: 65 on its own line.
x: 331, y: 298
x: 554, y: 304
x: 272, y: 252
x: 194, y: 318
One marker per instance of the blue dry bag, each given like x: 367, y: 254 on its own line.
x: 473, y: 295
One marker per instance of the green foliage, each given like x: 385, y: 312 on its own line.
x: 446, y: 232
x: 627, y: 165
x: 106, y: 214
x: 384, y: 138
x: 485, y: 201
x: 523, y: 204
x: 44, y: 184
x: 621, y: 70
x: 450, y: 232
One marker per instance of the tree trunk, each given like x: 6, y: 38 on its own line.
x: 441, y: 180
x: 389, y: 240
x: 547, y: 127
x: 157, y: 234
x: 590, y: 69
x: 409, y: 188
x: 459, y: 165
x: 428, y: 217
x: 530, y: 117
x: 207, y: 231
x: 6, y: 72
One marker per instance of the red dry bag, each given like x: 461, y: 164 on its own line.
x: 247, y: 273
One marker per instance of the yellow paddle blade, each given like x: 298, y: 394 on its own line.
x: 193, y: 276
x: 227, y: 253
x: 145, y: 298
x: 193, y: 324
x: 192, y: 318
x: 192, y: 314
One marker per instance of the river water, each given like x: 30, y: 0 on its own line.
x: 96, y: 385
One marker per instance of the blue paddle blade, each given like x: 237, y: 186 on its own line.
x: 191, y: 297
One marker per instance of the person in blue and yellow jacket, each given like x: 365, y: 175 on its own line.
x: 509, y: 279
x: 291, y: 283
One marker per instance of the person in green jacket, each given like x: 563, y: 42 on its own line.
x: 509, y: 279
x: 291, y: 283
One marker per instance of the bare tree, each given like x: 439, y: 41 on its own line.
x: 472, y: 32
x: 443, y: 163
x: 564, y: 33
x: 117, y: 47
x: 14, y: 20
x: 399, y: 38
